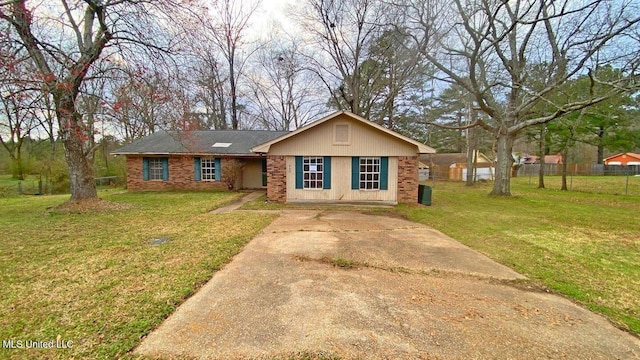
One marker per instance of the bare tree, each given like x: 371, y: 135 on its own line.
x: 18, y: 103
x: 209, y: 84
x: 228, y: 31
x: 489, y: 47
x: 284, y: 93
x: 17, y: 120
x: 402, y: 74
x: 64, y: 42
x: 344, y: 31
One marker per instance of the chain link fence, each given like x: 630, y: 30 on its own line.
x: 592, y: 178
x: 35, y: 186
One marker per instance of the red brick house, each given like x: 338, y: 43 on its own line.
x: 339, y: 158
x: 197, y: 160
x: 623, y: 159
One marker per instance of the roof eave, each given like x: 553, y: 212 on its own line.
x: 424, y: 149
x: 252, y: 154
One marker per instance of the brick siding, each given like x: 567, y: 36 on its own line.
x: 277, y: 178
x: 181, y: 176
x: 407, y: 179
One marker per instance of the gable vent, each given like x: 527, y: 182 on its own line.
x: 341, y: 134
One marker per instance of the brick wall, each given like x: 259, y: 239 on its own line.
x: 277, y: 178
x: 407, y: 179
x: 181, y: 176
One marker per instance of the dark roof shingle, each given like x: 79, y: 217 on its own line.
x: 231, y: 142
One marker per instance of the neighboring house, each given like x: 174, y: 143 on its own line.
x: 339, y: 158
x: 453, y: 166
x: 623, y: 159
x: 548, y: 159
x: 343, y: 158
x: 197, y: 160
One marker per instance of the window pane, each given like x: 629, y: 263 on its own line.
x: 208, y: 169
x: 312, y: 172
x: 369, y: 173
x: 155, y: 169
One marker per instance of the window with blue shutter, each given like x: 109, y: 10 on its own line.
x: 370, y: 173
x: 155, y: 168
x: 313, y: 172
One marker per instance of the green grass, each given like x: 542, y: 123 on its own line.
x: 94, y: 279
x: 585, y: 245
x: 613, y: 185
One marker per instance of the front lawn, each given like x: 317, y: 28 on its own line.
x: 585, y: 245
x: 95, y: 279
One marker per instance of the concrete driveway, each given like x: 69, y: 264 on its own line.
x: 406, y: 292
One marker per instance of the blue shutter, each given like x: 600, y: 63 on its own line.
x: 218, y: 169
x: 326, y: 172
x: 355, y: 173
x: 384, y: 173
x: 145, y: 169
x: 196, y: 169
x: 299, y: 182
x: 165, y: 169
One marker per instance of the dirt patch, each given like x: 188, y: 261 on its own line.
x: 87, y: 206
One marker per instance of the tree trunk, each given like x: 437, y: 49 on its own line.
x: 79, y: 158
x: 542, y: 152
x: 565, y: 153
x: 460, y: 142
x: 600, y: 145
x: 504, y: 162
x: 20, y: 166
x: 232, y: 84
x: 471, y: 153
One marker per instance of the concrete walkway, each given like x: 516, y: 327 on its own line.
x: 358, y: 286
x: 237, y: 204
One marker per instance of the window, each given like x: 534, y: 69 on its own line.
x: 208, y: 169
x: 312, y: 172
x: 156, y: 168
x: 370, y: 173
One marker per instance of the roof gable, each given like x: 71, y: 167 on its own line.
x: 633, y: 155
x: 421, y: 148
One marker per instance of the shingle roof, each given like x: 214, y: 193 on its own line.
x: 229, y: 142
x: 444, y: 159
